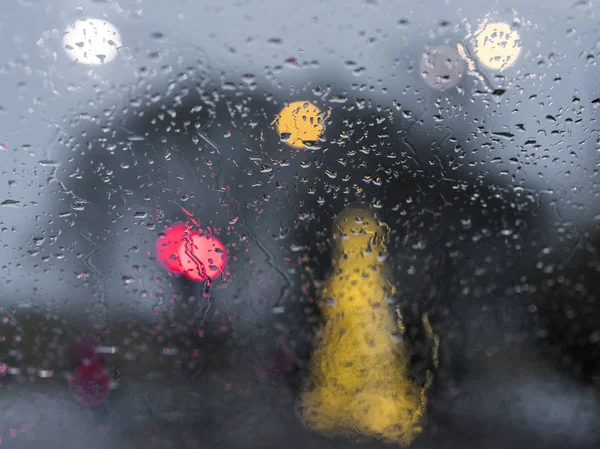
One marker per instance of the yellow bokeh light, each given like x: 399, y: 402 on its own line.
x: 497, y: 46
x: 300, y: 124
x: 360, y: 384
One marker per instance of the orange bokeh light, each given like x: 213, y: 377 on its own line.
x: 193, y: 253
x: 300, y: 124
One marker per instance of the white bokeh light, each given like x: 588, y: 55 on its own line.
x: 92, y: 41
x: 497, y: 46
x: 441, y: 67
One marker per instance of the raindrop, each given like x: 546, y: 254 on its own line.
x: 10, y: 203
x: 382, y: 256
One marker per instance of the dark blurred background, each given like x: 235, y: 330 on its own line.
x: 489, y: 186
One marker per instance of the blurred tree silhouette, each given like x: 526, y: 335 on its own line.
x: 462, y: 248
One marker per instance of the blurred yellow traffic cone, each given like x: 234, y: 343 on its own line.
x: 359, y: 383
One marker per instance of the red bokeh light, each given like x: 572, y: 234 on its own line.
x: 193, y: 253
x: 85, y: 351
x: 90, y: 384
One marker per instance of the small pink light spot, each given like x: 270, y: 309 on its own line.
x: 227, y: 386
x: 187, y: 212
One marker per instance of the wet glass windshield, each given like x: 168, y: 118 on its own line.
x: 299, y: 224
